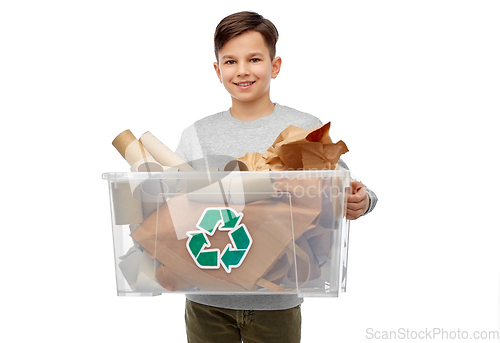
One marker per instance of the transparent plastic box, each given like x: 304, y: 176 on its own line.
x: 230, y: 232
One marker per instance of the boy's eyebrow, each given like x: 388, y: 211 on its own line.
x: 256, y: 54
x: 249, y: 55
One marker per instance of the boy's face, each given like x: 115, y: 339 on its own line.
x: 245, y: 67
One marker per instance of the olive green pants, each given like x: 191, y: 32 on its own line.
x: 207, y: 324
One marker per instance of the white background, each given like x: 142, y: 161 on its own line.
x: 412, y: 87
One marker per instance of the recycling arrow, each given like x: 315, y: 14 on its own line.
x: 223, y: 219
x: 213, y: 217
x: 197, y: 242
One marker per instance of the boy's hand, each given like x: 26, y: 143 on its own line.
x: 357, y: 202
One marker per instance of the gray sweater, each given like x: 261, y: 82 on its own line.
x: 213, y: 141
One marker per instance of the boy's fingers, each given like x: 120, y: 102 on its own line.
x: 359, y: 192
x: 354, y: 198
x: 356, y: 186
x: 357, y: 201
x: 352, y: 215
x: 355, y: 206
x: 359, y: 196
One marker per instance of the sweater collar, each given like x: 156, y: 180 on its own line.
x: 278, y: 110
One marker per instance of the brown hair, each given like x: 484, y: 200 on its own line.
x: 237, y: 23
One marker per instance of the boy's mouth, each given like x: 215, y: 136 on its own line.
x: 244, y: 84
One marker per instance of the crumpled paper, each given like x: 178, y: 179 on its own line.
x: 296, y: 149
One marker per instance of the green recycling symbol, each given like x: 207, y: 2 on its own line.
x: 223, y: 219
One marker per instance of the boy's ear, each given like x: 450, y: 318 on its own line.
x: 276, y: 67
x: 217, y: 70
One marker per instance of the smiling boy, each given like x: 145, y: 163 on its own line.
x: 246, y: 66
x: 245, y: 50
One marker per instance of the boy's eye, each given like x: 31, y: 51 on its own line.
x: 230, y: 62
x: 255, y: 60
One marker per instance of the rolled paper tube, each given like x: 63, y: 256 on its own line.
x: 241, y: 188
x: 258, y: 188
x: 252, y: 187
x: 162, y: 153
x: 197, y: 183
x: 155, y: 184
x: 147, y: 164
x: 129, y: 147
x: 126, y: 208
x: 203, y: 179
x: 171, y: 180
x: 153, y: 195
x: 236, y: 165
x: 201, y: 190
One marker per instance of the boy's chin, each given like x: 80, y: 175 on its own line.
x: 250, y: 99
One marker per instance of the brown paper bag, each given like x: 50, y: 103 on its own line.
x: 296, y: 148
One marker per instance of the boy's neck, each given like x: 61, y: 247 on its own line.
x: 251, y: 111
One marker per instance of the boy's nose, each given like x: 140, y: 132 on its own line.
x: 243, y: 69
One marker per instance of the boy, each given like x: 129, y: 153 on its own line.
x: 246, y: 62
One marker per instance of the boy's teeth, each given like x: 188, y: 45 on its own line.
x: 245, y: 84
